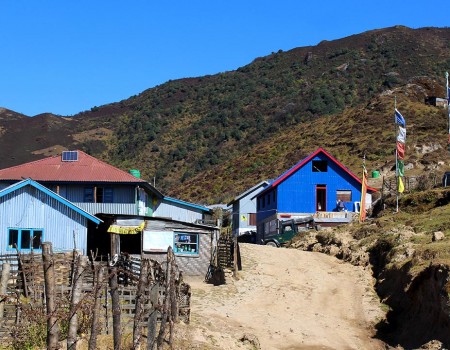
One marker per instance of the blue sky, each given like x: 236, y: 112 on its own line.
x: 65, y: 57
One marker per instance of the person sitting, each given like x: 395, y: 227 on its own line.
x: 340, y: 205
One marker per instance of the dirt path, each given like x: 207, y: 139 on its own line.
x: 286, y: 299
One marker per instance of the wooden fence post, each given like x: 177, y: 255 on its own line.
x: 115, y: 306
x: 235, y: 257
x: 166, y: 305
x: 6, y: 269
x: 77, y: 286
x: 141, y: 299
x: 153, y: 315
x: 173, y: 302
x: 49, y: 284
x: 96, y: 312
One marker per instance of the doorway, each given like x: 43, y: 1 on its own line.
x: 321, y: 197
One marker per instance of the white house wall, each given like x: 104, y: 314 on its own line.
x: 28, y: 207
x: 175, y: 211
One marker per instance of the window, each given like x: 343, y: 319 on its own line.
x: 88, y: 195
x: 98, y: 195
x: 186, y: 243
x: 344, y: 195
x: 268, y: 198
x: 319, y: 166
x: 24, y: 238
x: 104, y: 195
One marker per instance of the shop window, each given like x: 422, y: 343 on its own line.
x: 186, y: 243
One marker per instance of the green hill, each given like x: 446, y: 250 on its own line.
x: 206, y: 139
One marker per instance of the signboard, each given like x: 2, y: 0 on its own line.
x: 157, y: 241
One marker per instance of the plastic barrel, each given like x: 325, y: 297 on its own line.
x: 375, y: 174
x: 135, y: 173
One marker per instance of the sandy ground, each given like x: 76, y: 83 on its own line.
x: 286, y: 299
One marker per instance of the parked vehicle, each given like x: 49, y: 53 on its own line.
x: 288, y: 229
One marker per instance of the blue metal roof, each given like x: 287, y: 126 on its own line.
x: 187, y: 204
x: 30, y: 182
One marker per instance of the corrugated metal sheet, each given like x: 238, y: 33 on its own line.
x: 86, y: 169
x: 175, y: 211
x: 121, y: 194
x: 108, y: 208
x: 31, y: 208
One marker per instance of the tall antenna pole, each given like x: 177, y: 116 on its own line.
x: 396, y: 156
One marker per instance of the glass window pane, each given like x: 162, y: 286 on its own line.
x: 107, y: 195
x: 186, y: 243
x: 13, y: 239
x: 89, y: 195
x: 37, y: 239
x: 25, y: 239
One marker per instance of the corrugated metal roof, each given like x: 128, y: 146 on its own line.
x: 85, y: 169
x: 186, y: 204
x: 250, y: 190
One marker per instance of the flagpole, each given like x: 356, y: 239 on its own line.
x: 396, y: 156
x: 448, y: 111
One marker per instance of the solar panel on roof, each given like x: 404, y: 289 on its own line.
x: 69, y: 156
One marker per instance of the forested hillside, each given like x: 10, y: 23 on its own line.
x: 205, y: 139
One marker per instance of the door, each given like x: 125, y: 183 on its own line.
x: 321, y: 198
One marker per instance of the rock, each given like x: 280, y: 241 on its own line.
x: 433, y: 345
x: 437, y: 236
x: 334, y: 250
x: 251, y: 339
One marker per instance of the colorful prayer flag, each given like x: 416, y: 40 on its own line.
x: 401, y: 187
x: 400, y: 167
x: 400, y: 150
x: 401, y: 137
x: 362, y: 205
x: 399, y: 118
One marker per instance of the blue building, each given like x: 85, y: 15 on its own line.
x: 97, y: 188
x: 244, y: 210
x: 313, y: 186
x: 31, y: 214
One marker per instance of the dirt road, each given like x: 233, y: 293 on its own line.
x: 286, y: 299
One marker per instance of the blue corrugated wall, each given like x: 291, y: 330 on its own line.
x: 297, y: 193
x: 30, y: 208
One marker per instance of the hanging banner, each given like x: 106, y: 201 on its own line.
x: 126, y: 230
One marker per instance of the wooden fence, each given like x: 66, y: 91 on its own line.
x: 68, y: 291
x: 411, y: 183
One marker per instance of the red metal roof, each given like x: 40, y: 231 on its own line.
x: 85, y: 169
